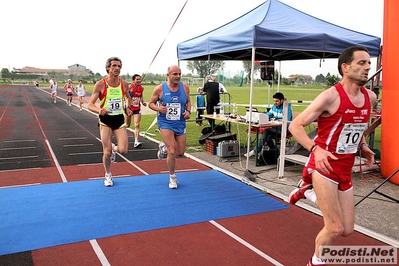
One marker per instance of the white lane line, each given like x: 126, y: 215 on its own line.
x: 85, y: 153
x: 99, y: 252
x: 72, y: 138
x: 57, y: 164
x: 245, y: 243
x: 23, y: 157
x: 17, y: 148
x: 78, y: 145
x: 21, y: 140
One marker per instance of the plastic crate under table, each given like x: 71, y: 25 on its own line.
x: 211, y: 146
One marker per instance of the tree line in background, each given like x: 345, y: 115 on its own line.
x: 204, y: 68
x: 201, y: 68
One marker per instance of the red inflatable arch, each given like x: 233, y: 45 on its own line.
x: 390, y: 92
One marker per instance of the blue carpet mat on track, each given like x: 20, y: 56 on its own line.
x: 41, y: 216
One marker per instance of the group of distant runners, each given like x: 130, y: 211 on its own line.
x: 80, y: 90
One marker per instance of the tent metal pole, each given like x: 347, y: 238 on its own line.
x: 250, y: 107
x: 268, y: 94
x: 279, y: 76
x: 281, y: 159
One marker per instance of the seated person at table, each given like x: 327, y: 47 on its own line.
x: 273, y: 133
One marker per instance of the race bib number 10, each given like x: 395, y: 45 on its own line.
x: 350, y: 137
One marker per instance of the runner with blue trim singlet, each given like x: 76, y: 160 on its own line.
x: 171, y: 100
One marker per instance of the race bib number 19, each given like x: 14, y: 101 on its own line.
x: 114, y: 106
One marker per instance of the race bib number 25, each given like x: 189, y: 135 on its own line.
x: 173, y: 111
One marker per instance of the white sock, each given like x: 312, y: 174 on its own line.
x: 316, y: 260
x: 311, y: 195
x: 173, y: 176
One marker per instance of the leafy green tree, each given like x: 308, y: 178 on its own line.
x: 247, y: 65
x: 151, y: 78
x: 236, y: 79
x: 204, y: 68
x: 320, y: 78
x: 97, y: 77
x: 127, y: 77
x: 331, y: 79
x: 285, y: 81
x: 52, y: 73
x: 5, y: 71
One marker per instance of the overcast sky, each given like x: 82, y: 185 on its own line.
x: 57, y: 34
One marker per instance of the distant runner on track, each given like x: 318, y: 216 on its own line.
x: 53, y: 89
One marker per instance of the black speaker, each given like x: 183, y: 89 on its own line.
x: 266, y: 70
x: 269, y: 156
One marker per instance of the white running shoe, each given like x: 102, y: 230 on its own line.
x: 162, y: 152
x: 113, y: 154
x: 108, y: 180
x: 137, y: 144
x: 172, y: 181
x: 250, y: 154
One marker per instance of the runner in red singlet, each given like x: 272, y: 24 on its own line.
x: 342, y: 114
x: 68, y: 87
x: 136, y: 93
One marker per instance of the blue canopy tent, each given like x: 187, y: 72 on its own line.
x: 274, y: 31
x: 278, y: 32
